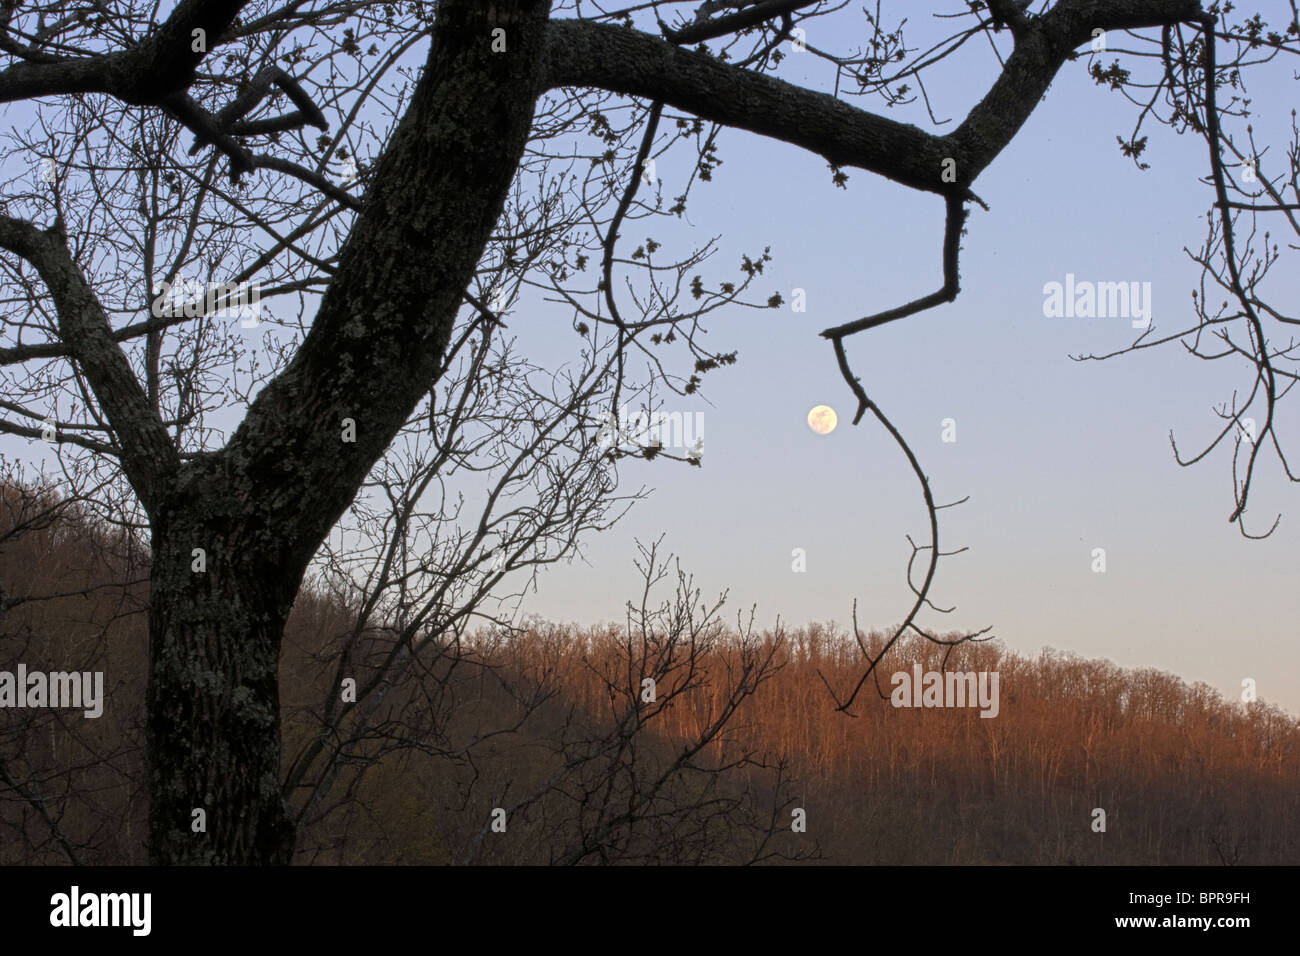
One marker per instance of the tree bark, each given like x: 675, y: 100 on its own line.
x: 213, y: 731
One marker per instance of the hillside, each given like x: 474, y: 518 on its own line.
x: 546, y: 722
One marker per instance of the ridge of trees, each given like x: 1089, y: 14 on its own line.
x: 1184, y: 775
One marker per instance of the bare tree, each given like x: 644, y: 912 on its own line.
x: 658, y: 772
x: 192, y: 145
x: 422, y: 563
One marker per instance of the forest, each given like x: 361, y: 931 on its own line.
x: 540, y: 745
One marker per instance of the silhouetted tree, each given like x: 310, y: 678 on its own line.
x: 460, y: 183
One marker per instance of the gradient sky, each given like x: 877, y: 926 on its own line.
x: 1057, y: 456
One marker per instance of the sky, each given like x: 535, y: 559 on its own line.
x: 1058, y: 457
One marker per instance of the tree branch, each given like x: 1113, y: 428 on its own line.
x: 147, y: 454
x: 581, y: 53
x: 748, y: 17
x: 628, y: 61
x: 161, y: 64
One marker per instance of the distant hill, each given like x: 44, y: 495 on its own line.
x: 1183, y: 776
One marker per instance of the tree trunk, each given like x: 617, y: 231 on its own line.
x: 260, y: 507
x: 213, y: 732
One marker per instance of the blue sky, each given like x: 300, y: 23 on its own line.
x: 1058, y: 457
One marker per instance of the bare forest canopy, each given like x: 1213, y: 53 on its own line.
x: 1186, y: 777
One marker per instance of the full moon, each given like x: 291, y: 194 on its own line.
x: 823, y: 419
